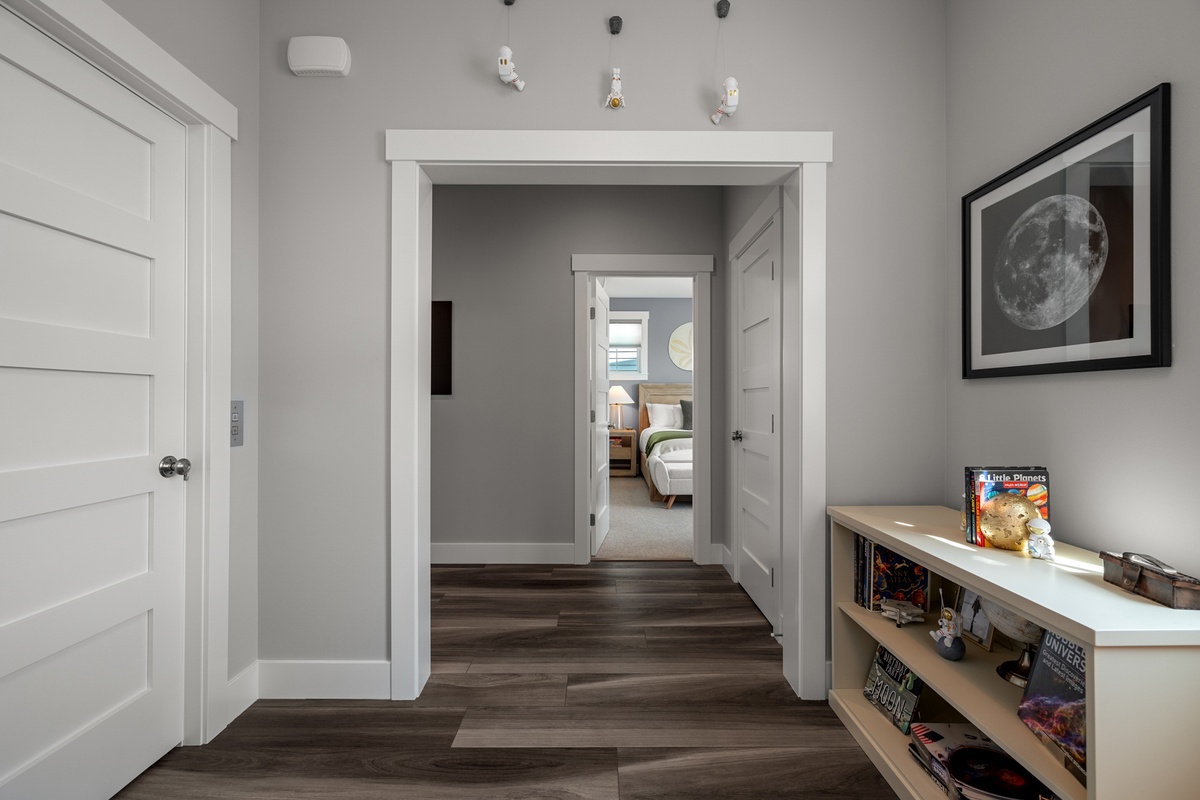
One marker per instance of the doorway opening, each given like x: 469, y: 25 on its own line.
x: 596, y: 442
x: 794, y: 161
x: 651, y: 408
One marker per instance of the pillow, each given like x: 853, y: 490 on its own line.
x: 664, y: 416
x: 686, y: 407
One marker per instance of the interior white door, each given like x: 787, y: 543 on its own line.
x: 92, y: 387
x: 757, y: 438
x: 601, y: 510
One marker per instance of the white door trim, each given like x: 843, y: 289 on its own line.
x: 421, y: 158
x: 700, y: 268
x: 103, y: 37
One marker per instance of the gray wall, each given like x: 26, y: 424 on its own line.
x: 666, y: 314
x: 218, y: 41
x: 1120, y: 446
x: 926, y: 99
x: 873, y: 73
x: 502, y: 467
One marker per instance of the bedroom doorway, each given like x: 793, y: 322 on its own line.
x: 655, y: 502
x: 649, y: 369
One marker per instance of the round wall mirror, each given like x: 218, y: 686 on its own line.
x: 681, y: 346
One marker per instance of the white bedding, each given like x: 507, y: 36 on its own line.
x: 648, y: 432
x: 669, y: 465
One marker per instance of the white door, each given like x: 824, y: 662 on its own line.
x: 91, y: 398
x: 757, y: 438
x: 598, y: 377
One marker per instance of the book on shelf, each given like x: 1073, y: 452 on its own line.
x: 965, y: 763
x: 880, y: 574
x: 1055, y: 700
x: 983, y: 484
x: 923, y: 760
x: 893, y: 688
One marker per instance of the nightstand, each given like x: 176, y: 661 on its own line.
x: 622, y: 453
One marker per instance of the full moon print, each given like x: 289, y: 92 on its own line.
x: 1050, y: 261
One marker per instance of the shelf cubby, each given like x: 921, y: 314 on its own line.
x: 1142, y: 713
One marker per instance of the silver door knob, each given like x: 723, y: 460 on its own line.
x: 737, y: 436
x: 170, y: 465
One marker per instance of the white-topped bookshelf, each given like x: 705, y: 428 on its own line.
x: 1143, y: 711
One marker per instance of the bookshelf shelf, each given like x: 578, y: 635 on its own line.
x: 1142, y: 659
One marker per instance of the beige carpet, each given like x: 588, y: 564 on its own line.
x: 646, y: 531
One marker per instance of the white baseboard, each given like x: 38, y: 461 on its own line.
x: 828, y: 677
x: 243, y: 691
x: 727, y: 559
x: 716, y: 553
x: 490, y: 553
x: 335, y: 680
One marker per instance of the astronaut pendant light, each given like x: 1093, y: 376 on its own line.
x: 508, y: 70
x: 615, y: 98
x: 729, y: 89
x: 729, y: 101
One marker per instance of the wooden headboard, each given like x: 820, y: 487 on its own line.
x: 669, y: 393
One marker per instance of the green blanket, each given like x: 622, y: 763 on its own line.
x: 662, y: 436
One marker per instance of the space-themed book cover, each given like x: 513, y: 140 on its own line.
x: 893, y: 688
x: 894, y: 577
x: 1054, y: 703
x: 985, y: 483
x: 967, y: 765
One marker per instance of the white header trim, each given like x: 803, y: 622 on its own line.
x: 102, y: 36
x: 681, y: 148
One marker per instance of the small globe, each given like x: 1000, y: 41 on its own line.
x: 1011, y: 624
x: 1003, y: 520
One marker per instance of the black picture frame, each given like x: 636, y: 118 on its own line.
x: 441, y: 346
x: 1066, y: 257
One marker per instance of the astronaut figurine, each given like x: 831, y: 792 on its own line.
x: 948, y: 637
x: 1040, y: 544
x: 615, y: 98
x: 729, y: 101
x: 508, y: 70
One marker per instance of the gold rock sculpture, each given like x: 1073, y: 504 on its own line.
x: 1004, y: 518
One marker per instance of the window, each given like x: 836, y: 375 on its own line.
x: 627, y: 339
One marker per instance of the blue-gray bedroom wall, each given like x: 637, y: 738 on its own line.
x: 666, y: 314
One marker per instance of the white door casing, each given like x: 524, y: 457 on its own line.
x: 600, y: 509
x: 93, y: 389
x: 699, y: 268
x: 757, y: 281
x: 422, y: 158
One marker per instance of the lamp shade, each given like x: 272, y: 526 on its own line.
x: 618, y: 395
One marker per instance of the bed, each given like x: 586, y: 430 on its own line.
x: 664, y: 449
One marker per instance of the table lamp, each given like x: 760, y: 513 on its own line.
x: 617, y: 397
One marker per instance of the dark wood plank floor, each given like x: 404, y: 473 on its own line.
x: 615, y: 681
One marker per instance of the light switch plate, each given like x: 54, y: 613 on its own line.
x: 237, y: 422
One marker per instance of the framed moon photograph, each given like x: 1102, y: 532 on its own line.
x: 1066, y: 257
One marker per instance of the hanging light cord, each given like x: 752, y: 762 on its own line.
x: 720, y: 52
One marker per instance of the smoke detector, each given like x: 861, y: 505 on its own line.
x: 319, y: 55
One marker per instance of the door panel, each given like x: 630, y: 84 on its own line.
x: 599, y: 381
x: 92, y: 373
x: 757, y: 455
